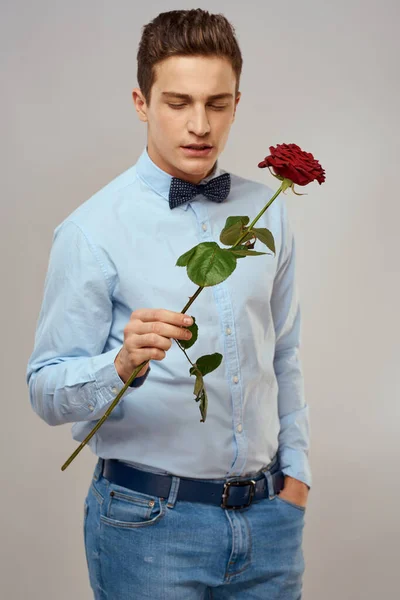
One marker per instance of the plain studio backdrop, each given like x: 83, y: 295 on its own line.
x: 323, y: 75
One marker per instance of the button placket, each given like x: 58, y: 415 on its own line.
x: 223, y: 300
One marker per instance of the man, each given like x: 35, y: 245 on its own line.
x: 177, y: 508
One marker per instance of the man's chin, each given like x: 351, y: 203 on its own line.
x: 199, y: 167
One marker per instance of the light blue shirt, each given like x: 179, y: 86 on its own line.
x: 116, y: 253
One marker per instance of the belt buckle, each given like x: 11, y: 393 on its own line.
x: 225, y: 494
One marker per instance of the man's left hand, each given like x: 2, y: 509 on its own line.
x: 295, y: 491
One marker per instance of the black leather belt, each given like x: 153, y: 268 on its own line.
x: 231, y: 494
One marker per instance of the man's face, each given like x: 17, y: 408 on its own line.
x: 192, y: 102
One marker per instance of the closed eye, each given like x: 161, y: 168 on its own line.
x: 213, y: 106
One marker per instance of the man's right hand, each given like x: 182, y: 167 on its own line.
x: 147, y: 336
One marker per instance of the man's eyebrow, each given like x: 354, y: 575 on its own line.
x: 189, y: 97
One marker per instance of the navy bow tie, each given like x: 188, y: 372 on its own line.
x: 182, y: 191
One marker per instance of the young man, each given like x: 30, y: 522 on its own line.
x: 179, y: 509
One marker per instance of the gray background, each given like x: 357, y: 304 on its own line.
x: 321, y: 74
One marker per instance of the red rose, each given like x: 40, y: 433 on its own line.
x: 291, y: 162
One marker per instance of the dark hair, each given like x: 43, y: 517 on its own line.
x: 193, y: 32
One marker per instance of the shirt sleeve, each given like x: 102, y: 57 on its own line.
x: 292, y: 407
x: 70, y: 376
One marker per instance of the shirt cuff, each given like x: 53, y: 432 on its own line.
x: 138, y: 381
x: 295, y: 463
x: 108, y: 381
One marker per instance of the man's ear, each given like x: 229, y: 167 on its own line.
x: 237, y: 100
x: 140, y: 104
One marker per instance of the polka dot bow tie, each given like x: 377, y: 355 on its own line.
x: 182, y: 191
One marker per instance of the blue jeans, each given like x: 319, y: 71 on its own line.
x: 146, y: 547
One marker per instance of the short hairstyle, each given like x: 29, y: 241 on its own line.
x: 193, y: 32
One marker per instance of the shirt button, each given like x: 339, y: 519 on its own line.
x: 239, y: 428
x: 236, y: 379
x: 91, y: 407
x: 115, y: 390
x: 228, y: 331
x: 204, y: 226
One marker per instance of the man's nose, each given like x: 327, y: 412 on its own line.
x: 198, y: 123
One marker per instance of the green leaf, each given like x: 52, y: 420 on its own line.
x: 198, y: 386
x: 247, y: 237
x: 200, y: 393
x: 194, y: 329
x: 204, y: 364
x: 208, y: 363
x: 209, y: 264
x: 203, y: 406
x: 241, y: 251
x: 232, y: 220
x: 234, y: 226
x: 265, y: 236
x: 183, y: 260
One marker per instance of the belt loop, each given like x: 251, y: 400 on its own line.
x: 173, y: 492
x: 270, y: 484
x: 274, y: 463
x: 98, y: 471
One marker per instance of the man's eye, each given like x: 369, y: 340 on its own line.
x: 213, y: 106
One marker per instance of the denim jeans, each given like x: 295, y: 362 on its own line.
x: 145, y: 547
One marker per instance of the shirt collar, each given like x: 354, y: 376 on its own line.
x: 160, y: 181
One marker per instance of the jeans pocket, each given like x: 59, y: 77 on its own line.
x: 126, y: 508
x: 292, y: 504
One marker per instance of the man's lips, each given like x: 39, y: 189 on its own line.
x: 193, y: 151
x: 197, y: 146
